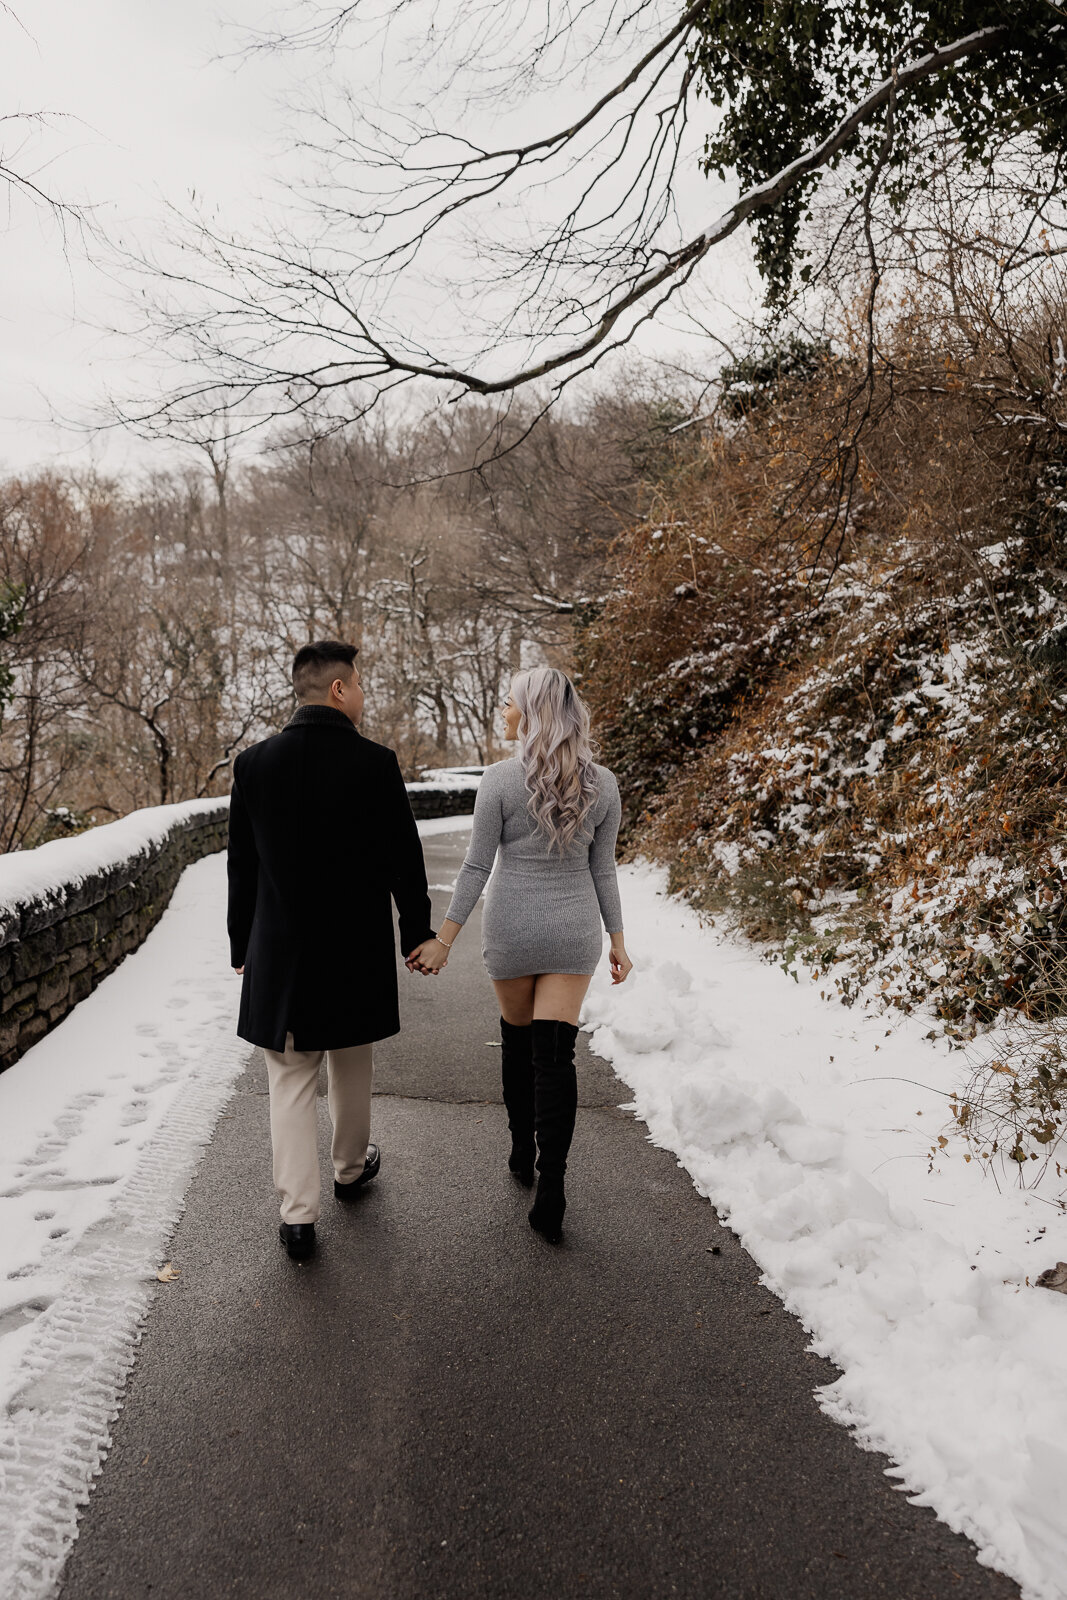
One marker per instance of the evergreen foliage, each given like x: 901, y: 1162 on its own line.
x: 787, y: 74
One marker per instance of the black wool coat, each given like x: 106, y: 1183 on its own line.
x: 321, y: 838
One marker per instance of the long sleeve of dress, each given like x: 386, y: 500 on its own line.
x: 602, y: 862
x: 485, y: 837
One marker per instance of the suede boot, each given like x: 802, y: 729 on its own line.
x: 555, y: 1108
x: 516, y: 1074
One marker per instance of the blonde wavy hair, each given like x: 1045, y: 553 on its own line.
x: 557, y: 754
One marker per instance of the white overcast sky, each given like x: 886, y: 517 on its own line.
x: 152, y: 115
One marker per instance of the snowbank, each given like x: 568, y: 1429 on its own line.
x: 53, y: 871
x: 815, y: 1133
x: 435, y: 778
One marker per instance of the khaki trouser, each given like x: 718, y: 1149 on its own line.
x: 293, y: 1077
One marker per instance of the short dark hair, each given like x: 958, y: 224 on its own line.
x: 315, y: 666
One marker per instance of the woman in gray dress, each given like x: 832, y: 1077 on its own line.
x: 548, y: 820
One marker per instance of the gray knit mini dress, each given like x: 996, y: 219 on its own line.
x: 543, y: 913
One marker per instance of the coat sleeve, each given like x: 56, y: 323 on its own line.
x: 405, y: 864
x: 242, y: 870
x: 486, y: 829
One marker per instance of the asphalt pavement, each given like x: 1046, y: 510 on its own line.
x: 442, y: 1406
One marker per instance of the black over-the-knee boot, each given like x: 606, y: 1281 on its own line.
x: 516, y: 1074
x: 555, y: 1107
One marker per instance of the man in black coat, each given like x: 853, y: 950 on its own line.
x: 322, y: 839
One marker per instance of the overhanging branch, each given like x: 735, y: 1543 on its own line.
x: 760, y: 197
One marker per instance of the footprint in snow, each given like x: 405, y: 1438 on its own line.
x: 17, y: 1316
x: 50, y: 1182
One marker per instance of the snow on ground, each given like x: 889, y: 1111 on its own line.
x: 448, y: 778
x: 104, y: 1122
x: 809, y: 1127
x: 434, y: 825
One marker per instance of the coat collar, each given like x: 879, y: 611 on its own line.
x: 320, y: 717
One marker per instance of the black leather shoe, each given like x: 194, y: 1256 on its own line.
x: 371, y: 1168
x: 298, y: 1239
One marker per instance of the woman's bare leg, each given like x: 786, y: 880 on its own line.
x: 558, y: 996
x: 554, y: 996
x: 515, y: 997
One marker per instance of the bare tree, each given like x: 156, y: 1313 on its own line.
x: 26, y: 153
x: 408, y: 198
x: 139, y: 650
x: 46, y: 535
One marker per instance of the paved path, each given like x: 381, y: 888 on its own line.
x: 441, y: 1406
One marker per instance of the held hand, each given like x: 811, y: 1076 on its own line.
x: 428, y: 958
x: 619, y: 962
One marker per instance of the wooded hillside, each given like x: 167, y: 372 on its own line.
x: 832, y: 676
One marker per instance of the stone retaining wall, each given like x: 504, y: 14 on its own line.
x: 56, y: 947
x: 55, y: 950
x: 427, y: 802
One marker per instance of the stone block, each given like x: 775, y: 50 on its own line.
x: 25, y: 1009
x: 88, y: 893
x: 52, y: 986
x: 32, y: 1029
x: 35, y: 954
x: 78, y: 958
x: 9, y: 1035
x: 39, y: 914
x: 75, y: 930
x: 122, y: 900
x: 81, y: 984
x: 18, y: 996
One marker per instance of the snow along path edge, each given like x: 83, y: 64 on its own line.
x: 105, y: 1121
x: 57, y: 1430
x: 814, y: 1131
